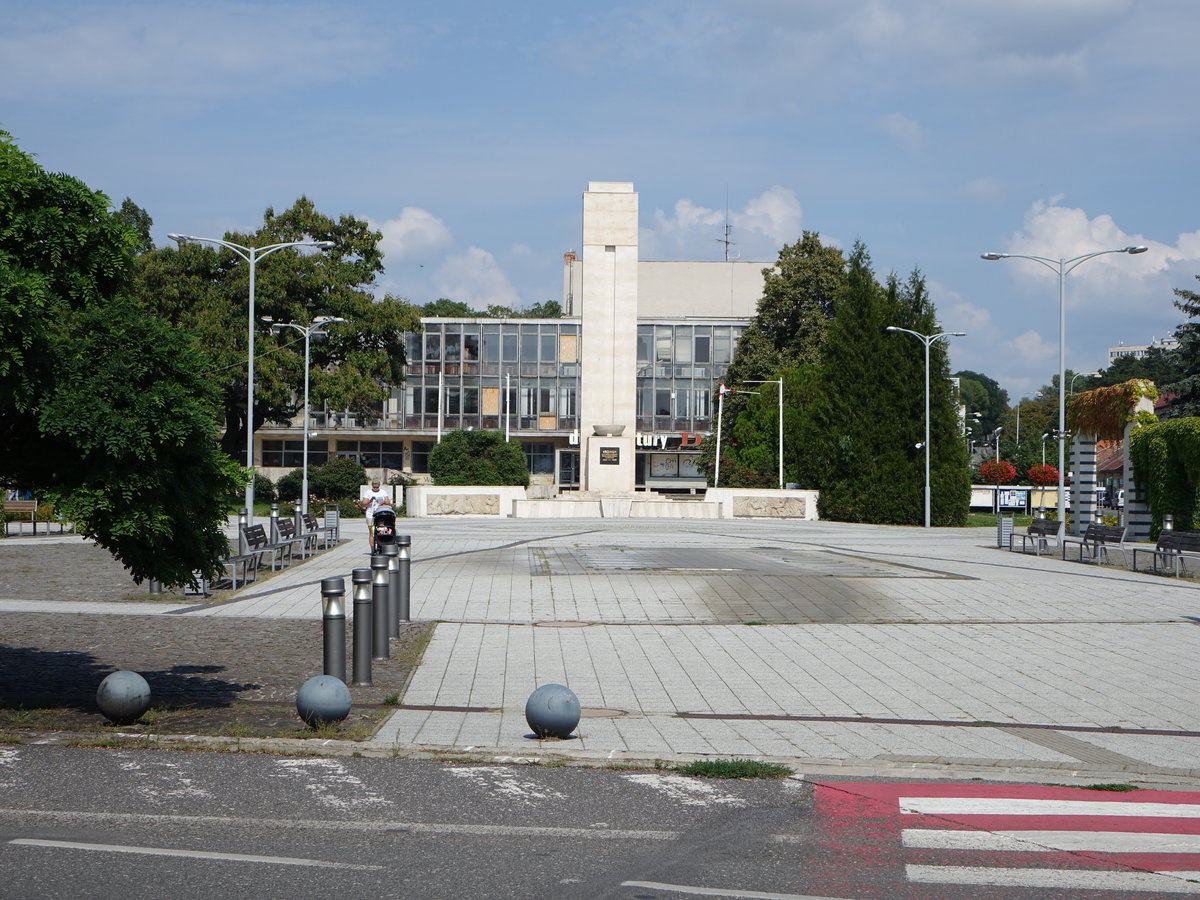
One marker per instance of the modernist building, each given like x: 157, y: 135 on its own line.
x: 641, y: 349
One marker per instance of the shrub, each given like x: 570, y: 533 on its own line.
x: 337, y: 479
x: 264, y: 489
x: 289, y: 485
x: 478, y: 457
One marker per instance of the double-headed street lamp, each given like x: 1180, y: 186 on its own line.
x: 1063, y: 267
x: 317, y: 326
x: 927, y: 340
x: 251, y: 255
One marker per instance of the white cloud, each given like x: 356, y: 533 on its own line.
x: 475, y: 278
x: 760, y: 228
x: 906, y: 131
x: 1032, y: 348
x: 414, y: 235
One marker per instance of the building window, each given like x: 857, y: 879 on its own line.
x: 420, y: 456
x: 540, y: 457
x: 290, y: 454
x: 703, y: 353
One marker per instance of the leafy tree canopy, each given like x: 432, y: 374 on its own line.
x: 456, y: 309
x: 1158, y: 365
x: 478, y: 457
x: 205, y: 290
x: 105, y: 410
x: 983, y: 395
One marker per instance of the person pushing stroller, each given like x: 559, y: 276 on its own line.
x: 378, y: 500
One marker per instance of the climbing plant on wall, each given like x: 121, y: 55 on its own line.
x: 1166, y: 462
x: 1105, y: 411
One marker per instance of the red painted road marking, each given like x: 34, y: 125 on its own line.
x: 1009, y: 835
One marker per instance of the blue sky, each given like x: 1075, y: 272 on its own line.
x: 933, y: 130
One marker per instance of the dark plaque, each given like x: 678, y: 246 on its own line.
x: 610, y: 456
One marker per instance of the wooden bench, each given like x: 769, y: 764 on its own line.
x: 246, y: 564
x: 1097, y: 540
x: 326, y: 533
x: 288, y: 535
x: 1040, y: 532
x: 260, y: 544
x: 1173, y: 547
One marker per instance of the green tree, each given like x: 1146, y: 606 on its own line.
x: 983, y: 395
x: 549, y: 309
x: 449, y: 309
x: 478, y: 457
x: 864, y: 442
x: 789, y: 326
x: 1184, y: 392
x: 205, y: 290
x: 105, y: 410
x: 139, y: 220
x: 1158, y: 365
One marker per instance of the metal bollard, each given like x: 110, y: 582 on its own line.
x: 333, y: 615
x: 155, y: 586
x: 274, y: 532
x: 379, y: 597
x: 243, y: 521
x: 361, y: 579
x: 392, y: 552
x: 403, y: 563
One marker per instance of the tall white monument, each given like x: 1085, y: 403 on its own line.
x: 608, y: 320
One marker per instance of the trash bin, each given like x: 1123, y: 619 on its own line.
x: 1004, y: 530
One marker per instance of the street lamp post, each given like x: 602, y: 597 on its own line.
x: 317, y: 326
x: 778, y: 381
x: 1078, y: 375
x: 927, y: 340
x: 1063, y: 267
x: 251, y: 255
x: 1044, y: 438
x: 1020, y: 400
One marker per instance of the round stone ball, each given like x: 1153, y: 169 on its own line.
x: 552, y: 711
x: 123, y: 696
x: 323, y: 698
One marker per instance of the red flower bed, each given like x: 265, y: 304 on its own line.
x: 998, y: 471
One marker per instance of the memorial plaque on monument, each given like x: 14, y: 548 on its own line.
x: 610, y: 456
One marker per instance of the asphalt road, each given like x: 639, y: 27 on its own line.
x: 143, y: 824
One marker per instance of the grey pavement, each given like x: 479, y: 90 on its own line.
x: 826, y: 645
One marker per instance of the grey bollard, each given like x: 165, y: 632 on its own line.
x: 333, y: 614
x: 243, y: 521
x: 361, y: 579
x: 274, y: 523
x: 155, y: 586
x: 392, y: 552
x: 379, y: 600
x: 403, y: 563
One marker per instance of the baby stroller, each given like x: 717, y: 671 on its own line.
x: 385, y: 527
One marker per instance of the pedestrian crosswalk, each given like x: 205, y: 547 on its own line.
x: 1033, y: 836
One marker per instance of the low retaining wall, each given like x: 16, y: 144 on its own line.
x: 427, y: 500
x: 749, y: 503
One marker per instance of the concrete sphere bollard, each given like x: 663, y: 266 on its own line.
x: 123, y: 696
x: 323, y: 698
x: 552, y: 711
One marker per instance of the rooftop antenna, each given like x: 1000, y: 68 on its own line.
x: 728, y: 228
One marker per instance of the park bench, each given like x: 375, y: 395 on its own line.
x: 21, y: 506
x: 260, y: 544
x: 244, y: 564
x: 1173, y: 547
x: 327, y: 533
x: 1040, y: 533
x: 288, y: 535
x: 1097, y: 540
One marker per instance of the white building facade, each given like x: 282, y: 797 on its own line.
x: 640, y: 351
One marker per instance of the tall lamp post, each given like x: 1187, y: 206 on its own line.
x: 251, y: 255
x: 778, y: 381
x: 1063, y: 267
x: 317, y: 326
x: 927, y: 340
